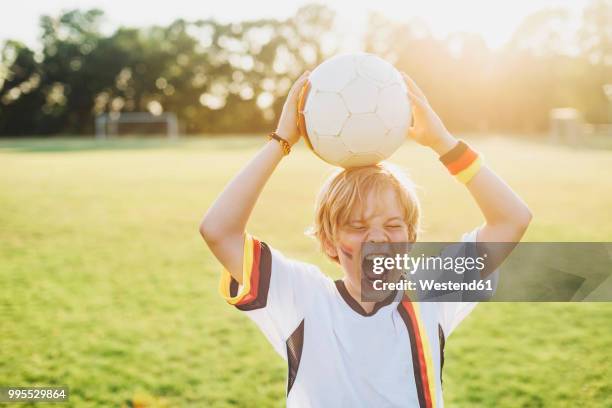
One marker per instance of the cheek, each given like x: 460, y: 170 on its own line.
x: 347, y: 252
x: 400, y: 236
x: 350, y: 245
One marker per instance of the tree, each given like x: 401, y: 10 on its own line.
x: 215, y: 77
x: 20, y: 98
x: 596, y: 47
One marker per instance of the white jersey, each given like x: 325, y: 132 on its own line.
x: 338, y: 355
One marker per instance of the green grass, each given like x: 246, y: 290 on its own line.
x: 107, y: 287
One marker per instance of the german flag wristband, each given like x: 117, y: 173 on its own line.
x: 462, y: 162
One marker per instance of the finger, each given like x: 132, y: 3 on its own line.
x: 300, y: 81
x: 416, y: 100
x: 297, y: 86
x: 411, y: 133
x: 413, y: 86
x: 292, y: 96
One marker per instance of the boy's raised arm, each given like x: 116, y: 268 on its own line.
x: 506, y: 215
x: 224, y: 223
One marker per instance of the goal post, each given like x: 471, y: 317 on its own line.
x: 108, y: 124
x: 566, y: 125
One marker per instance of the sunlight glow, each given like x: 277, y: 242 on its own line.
x: 494, y: 20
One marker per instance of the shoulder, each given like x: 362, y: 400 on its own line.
x: 302, y: 272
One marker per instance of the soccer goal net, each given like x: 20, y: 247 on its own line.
x: 116, y: 123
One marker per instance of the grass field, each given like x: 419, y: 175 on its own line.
x: 107, y: 287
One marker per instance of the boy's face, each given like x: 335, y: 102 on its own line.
x: 380, y: 219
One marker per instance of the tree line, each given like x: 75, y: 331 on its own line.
x: 221, y: 78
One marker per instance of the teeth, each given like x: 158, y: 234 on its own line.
x: 371, y: 257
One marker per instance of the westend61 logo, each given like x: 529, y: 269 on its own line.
x: 410, y: 264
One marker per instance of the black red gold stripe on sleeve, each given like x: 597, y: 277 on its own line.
x: 256, y: 269
x: 253, y: 275
x: 260, y: 279
x: 228, y: 287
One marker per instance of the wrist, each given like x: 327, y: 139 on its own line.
x: 276, y: 147
x: 462, y: 162
x: 444, y: 144
x: 283, y: 134
x: 285, y: 145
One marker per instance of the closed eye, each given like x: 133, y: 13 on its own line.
x: 357, y: 227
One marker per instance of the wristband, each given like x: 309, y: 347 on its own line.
x: 284, y: 144
x: 462, y: 162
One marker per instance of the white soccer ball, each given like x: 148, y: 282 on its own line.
x: 354, y: 110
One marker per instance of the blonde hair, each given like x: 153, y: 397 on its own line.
x: 347, y: 187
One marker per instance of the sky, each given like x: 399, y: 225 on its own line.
x: 495, y: 20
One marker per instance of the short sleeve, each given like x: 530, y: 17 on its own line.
x: 453, y: 313
x: 274, y: 293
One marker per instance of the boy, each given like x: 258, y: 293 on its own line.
x: 343, y: 351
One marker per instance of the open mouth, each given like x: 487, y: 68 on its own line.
x: 373, y: 269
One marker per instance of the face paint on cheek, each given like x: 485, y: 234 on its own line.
x: 347, y: 252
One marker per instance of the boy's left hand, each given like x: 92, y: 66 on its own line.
x: 427, y: 128
x: 287, y: 124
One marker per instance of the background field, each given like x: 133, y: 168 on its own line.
x: 107, y: 287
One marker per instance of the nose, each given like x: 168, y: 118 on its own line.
x: 377, y: 235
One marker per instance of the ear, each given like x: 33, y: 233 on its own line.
x: 330, y: 249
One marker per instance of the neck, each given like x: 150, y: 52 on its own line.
x: 355, y: 293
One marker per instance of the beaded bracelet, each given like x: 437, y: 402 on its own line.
x: 284, y: 144
x: 462, y: 162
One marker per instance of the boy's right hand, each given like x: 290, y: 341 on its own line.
x: 427, y: 128
x: 287, y: 124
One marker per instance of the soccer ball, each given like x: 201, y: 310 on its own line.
x: 354, y: 110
